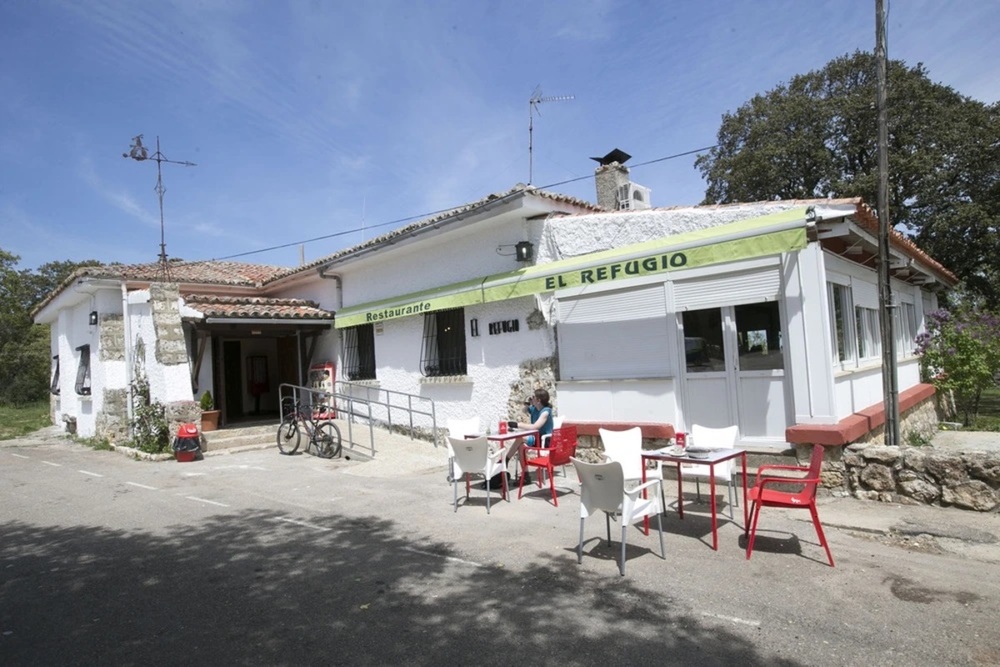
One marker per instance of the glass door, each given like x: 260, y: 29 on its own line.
x: 734, y: 369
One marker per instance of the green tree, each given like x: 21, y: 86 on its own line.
x: 24, y: 347
x: 960, y: 353
x: 815, y: 137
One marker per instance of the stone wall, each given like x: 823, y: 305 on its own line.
x: 171, y: 347
x: 112, y: 421
x: 533, y: 374
x: 112, y: 331
x: 923, y: 475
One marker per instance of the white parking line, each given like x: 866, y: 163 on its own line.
x: 303, y: 524
x: 20, y: 456
x: 54, y: 465
x: 92, y: 474
x: 205, y: 500
x: 451, y: 558
x: 732, y: 619
x: 142, y: 486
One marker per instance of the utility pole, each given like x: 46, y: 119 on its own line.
x: 140, y: 153
x: 887, y: 309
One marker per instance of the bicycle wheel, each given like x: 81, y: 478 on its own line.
x: 328, y: 443
x: 288, y: 436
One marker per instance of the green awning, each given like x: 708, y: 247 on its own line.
x: 756, y: 237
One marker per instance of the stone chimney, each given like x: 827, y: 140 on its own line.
x: 615, y: 190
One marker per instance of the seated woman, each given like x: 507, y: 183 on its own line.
x: 540, y: 413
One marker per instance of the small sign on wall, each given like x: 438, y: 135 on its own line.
x: 504, y: 326
x: 379, y: 328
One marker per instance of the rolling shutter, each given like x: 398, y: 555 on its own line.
x: 732, y: 289
x: 619, y: 334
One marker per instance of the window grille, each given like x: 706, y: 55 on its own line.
x: 54, y: 384
x: 359, y: 352
x: 444, y: 343
x: 83, y: 371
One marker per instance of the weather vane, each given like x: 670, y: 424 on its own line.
x: 140, y: 153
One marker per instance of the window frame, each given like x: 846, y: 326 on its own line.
x: 906, y: 329
x: 869, y: 338
x: 54, y: 382
x: 83, y: 371
x: 840, y: 295
x: 359, y: 352
x: 443, y: 350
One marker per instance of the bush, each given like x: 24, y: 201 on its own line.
x: 960, y: 354
x: 150, y: 432
x: 206, y: 401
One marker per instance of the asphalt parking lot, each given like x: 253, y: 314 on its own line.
x: 258, y: 558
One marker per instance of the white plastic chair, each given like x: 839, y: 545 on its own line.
x: 625, y: 447
x: 473, y: 457
x: 714, y: 438
x: 460, y: 428
x: 602, y: 487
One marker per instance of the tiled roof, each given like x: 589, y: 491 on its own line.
x: 257, y: 307
x: 436, y: 219
x: 206, y: 273
x: 234, y: 274
x: 868, y: 219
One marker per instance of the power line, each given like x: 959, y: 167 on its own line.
x: 421, y: 216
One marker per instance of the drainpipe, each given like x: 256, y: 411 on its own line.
x: 339, y: 300
x: 127, y: 333
x: 340, y: 287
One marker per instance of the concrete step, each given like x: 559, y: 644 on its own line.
x: 240, y: 436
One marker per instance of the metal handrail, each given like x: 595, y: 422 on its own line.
x: 415, y: 405
x: 358, y: 400
x: 325, y: 398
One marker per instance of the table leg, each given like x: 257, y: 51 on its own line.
x: 715, y: 526
x: 680, y: 492
x: 645, y: 519
x: 746, y: 511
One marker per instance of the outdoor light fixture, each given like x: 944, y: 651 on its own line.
x: 524, y: 251
x: 93, y: 318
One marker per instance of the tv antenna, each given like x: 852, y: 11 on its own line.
x: 140, y: 153
x: 536, y: 99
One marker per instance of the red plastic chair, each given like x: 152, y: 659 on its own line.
x: 562, y: 446
x: 763, y: 496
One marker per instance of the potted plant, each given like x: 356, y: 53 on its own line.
x: 209, y: 415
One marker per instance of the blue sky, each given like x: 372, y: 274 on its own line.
x: 309, y: 119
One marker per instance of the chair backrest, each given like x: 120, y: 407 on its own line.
x: 459, y: 428
x: 470, y: 454
x: 808, y: 492
x: 562, y: 446
x: 625, y: 447
x: 602, y: 486
x: 714, y: 438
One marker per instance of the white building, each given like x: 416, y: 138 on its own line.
x: 763, y: 315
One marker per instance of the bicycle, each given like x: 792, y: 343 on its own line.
x: 324, y: 436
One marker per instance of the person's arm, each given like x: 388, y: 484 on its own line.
x: 543, y: 416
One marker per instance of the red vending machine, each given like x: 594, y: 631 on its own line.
x: 321, y: 378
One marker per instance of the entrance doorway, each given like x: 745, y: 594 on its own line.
x: 232, y: 359
x: 735, y: 369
